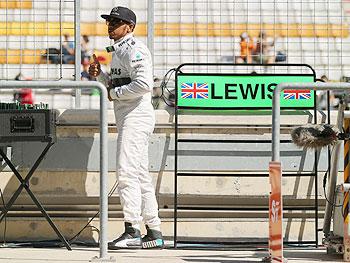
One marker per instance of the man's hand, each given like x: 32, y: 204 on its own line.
x: 109, y: 96
x: 109, y: 87
x: 95, y: 67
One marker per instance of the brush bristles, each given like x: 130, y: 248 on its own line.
x: 315, y: 136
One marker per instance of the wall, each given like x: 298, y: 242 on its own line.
x: 67, y: 181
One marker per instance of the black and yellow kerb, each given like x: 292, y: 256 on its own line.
x: 346, y: 172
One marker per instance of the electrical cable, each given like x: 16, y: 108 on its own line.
x: 4, y: 207
x: 343, y: 210
x: 324, y: 186
x: 171, y: 71
x: 114, y: 187
x: 163, y: 87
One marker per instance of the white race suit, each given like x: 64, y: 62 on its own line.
x: 132, y: 85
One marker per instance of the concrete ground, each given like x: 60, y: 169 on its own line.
x: 84, y: 254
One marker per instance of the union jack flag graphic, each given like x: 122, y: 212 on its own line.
x: 301, y: 94
x: 194, y: 90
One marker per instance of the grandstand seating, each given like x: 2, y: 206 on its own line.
x: 185, y: 31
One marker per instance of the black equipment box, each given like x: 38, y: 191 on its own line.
x: 27, y: 125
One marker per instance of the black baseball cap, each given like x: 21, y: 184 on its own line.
x: 122, y: 13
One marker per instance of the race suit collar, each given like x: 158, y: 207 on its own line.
x: 120, y: 42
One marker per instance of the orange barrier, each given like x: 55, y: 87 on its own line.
x: 275, y: 213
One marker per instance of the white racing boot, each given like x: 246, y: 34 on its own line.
x: 131, y: 238
x: 153, y: 239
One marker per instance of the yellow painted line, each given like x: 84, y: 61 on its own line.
x: 346, y: 220
x: 177, y: 29
x: 346, y: 128
x: 346, y: 152
x: 346, y: 167
x: 346, y: 198
x: 346, y: 173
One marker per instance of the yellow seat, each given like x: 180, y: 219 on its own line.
x: 179, y: 29
x: 203, y: 30
x: 4, y: 28
x: 170, y: 30
x: 2, y: 56
x: 39, y: 29
x: 238, y: 29
x: 88, y: 29
x: 271, y: 30
x: 158, y: 28
x: 14, y: 28
x: 222, y: 30
x: 54, y: 29
x: 307, y: 30
x: 24, y: 4
x: 8, y: 4
x: 323, y: 30
x: 101, y: 29
x: 19, y: 4
x: 10, y: 56
x: 140, y: 30
x: 340, y: 30
x: 254, y: 30
x: 32, y: 56
x: 289, y: 30
x: 67, y: 28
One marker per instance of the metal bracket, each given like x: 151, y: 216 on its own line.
x: 344, y: 136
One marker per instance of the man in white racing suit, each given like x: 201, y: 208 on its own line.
x: 130, y: 88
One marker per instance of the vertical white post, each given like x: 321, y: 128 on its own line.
x: 77, y: 51
x: 150, y: 26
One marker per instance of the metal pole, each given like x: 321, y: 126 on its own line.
x: 103, y: 179
x: 150, y: 26
x: 175, y: 163
x: 276, y: 126
x: 66, y: 84
x: 77, y: 54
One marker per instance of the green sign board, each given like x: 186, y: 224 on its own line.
x: 240, y: 91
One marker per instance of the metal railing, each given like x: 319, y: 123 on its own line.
x: 103, y: 255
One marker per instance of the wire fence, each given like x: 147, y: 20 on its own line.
x: 36, y: 36
x: 314, y: 32
x: 32, y: 39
